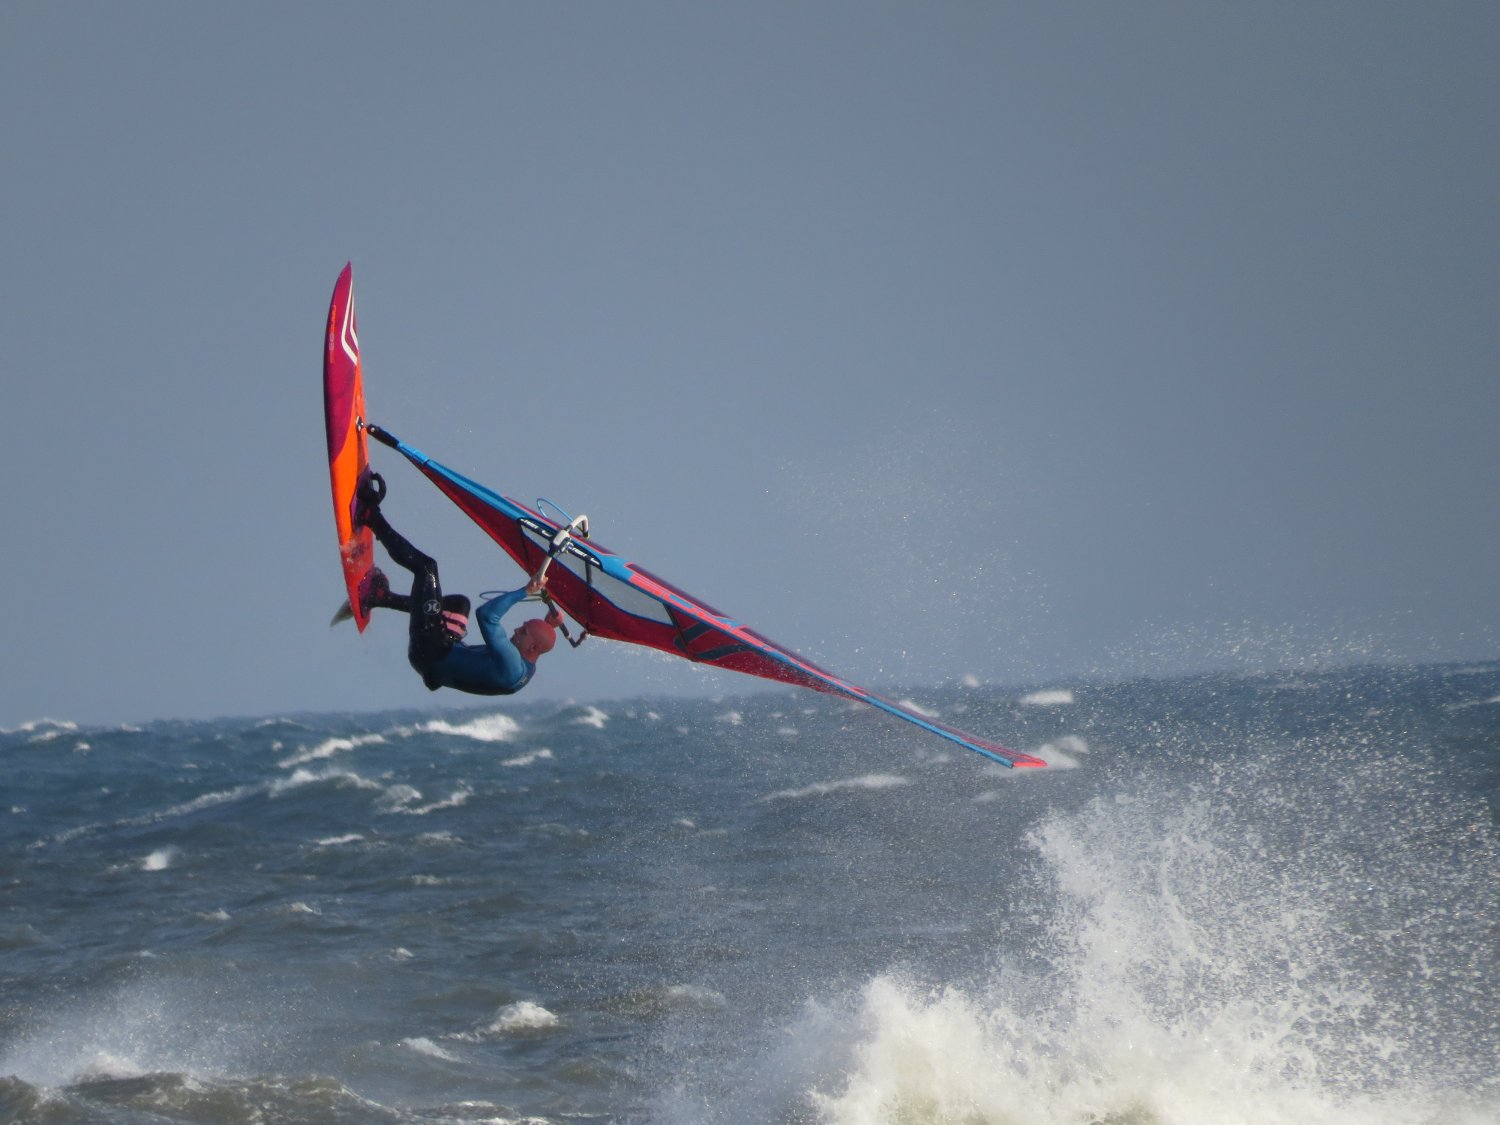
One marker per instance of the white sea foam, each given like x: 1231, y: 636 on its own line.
x: 485, y: 728
x: 1471, y: 670
x: 488, y: 1113
x: 1063, y: 753
x: 160, y: 859
x: 821, y: 788
x: 1295, y: 685
x: 693, y: 996
x: 397, y: 796
x: 733, y: 718
x: 198, y: 804
x: 424, y: 1046
x: 1057, y: 697
x: 401, y: 798
x: 339, y: 841
x: 1465, y: 705
x: 52, y: 733
x: 562, y: 831
x: 205, y: 801
x: 328, y: 748
x: 592, y: 717
x: 42, y: 730
x: 277, y: 721
x: 457, y: 799
x: 925, y: 712
x: 527, y: 759
x: 336, y: 774
x: 302, y: 777
x: 518, y: 1018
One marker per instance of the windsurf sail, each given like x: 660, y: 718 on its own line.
x: 612, y: 598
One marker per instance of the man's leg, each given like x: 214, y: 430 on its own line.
x: 375, y: 593
x: 425, y: 603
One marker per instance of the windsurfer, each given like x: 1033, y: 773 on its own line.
x: 502, y: 665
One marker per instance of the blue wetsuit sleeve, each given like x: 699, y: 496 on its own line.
x: 488, y: 617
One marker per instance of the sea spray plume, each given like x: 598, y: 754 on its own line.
x: 164, y: 1050
x: 1300, y: 931
x: 1243, y: 931
x: 141, y: 1028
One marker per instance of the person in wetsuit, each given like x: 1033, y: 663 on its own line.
x: 500, y: 666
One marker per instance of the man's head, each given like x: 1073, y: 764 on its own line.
x: 533, y: 638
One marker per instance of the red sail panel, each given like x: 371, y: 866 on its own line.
x: 617, y: 600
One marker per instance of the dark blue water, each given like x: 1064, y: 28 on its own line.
x: 1232, y: 899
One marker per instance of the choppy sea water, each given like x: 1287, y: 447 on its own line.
x: 1232, y: 899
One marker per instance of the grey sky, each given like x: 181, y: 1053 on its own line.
x: 1023, y: 341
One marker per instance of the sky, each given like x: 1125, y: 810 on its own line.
x: 1017, y: 342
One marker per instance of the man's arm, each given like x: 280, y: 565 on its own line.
x: 489, y: 613
x: 488, y: 616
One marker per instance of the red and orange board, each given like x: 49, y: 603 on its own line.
x: 348, y: 451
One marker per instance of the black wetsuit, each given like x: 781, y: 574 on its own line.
x: 493, y: 668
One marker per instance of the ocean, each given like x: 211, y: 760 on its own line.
x: 1232, y: 898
